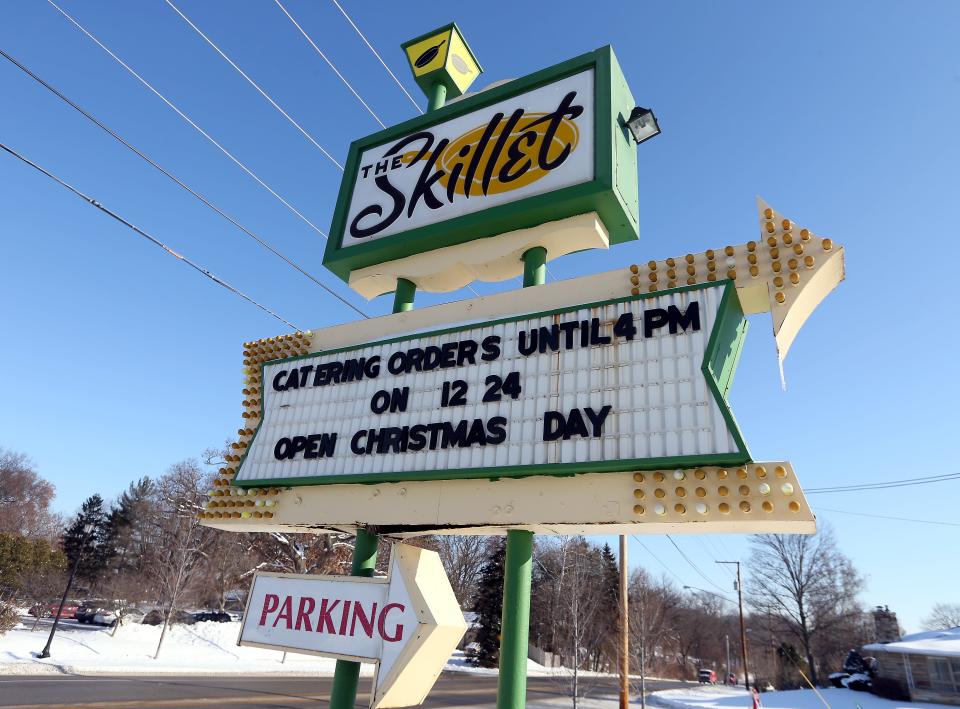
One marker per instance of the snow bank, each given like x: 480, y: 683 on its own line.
x: 204, y: 648
x: 711, y: 697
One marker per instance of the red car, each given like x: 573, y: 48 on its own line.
x: 48, y: 610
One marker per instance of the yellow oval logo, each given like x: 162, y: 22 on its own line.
x: 511, y: 157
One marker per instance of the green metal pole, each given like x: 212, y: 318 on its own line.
x: 438, y: 96
x: 518, y: 567
x: 515, y: 620
x: 343, y: 695
x: 534, y: 267
x: 404, y: 295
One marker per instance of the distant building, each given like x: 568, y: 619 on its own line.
x: 926, y: 665
x: 886, y: 629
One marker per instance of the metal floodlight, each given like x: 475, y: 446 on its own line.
x: 642, y: 124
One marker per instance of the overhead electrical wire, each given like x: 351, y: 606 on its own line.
x: 898, y: 519
x: 219, y: 281
x: 884, y: 485
x: 255, y: 85
x: 329, y: 63
x: 377, y: 55
x: 694, y: 566
x: 656, y: 558
x: 179, y: 182
x: 189, y: 120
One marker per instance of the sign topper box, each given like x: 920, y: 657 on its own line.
x: 630, y: 384
x: 537, y: 150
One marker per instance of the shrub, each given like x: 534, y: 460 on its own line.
x: 8, y: 617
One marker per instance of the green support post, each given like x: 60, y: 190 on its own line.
x: 534, y: 267
x: 515, y: 620
x: 518, y: 567
x: 438, y: 97
x: 403, y: 296
x: 343, y: 695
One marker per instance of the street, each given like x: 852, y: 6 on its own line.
x: 453, y: 689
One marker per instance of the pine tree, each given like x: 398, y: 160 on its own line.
x: 489, y: 605
x: 94, y: 549
x: 610, y: 604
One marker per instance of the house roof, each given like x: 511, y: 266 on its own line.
x: 945, y: 643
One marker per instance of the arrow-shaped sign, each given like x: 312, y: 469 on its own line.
x: 407, y: 623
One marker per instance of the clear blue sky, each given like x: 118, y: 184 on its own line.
x: 118, y: 360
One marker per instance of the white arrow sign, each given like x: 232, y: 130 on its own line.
x: 408, y: 623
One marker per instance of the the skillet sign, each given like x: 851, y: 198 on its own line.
x: 531, y: 144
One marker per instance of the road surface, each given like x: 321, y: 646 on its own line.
x: 453, y: 689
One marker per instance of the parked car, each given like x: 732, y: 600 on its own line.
x: 48, y: 610
x: 731, y: 678
x: 89, y: 610
x: 155, y: 617
x: 212, y: 616
x: 706, y: 676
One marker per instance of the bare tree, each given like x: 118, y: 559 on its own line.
x: 25, y: 499
x: 810, y: 585
x: 462, y: 558
x: 943, y: 616
x: 181, y: 542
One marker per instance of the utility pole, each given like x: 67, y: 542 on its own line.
x: 87, y: 529
x: 624, y: 629
x: 743, y: 631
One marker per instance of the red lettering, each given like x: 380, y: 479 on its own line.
x: 366, y: 623
x: 343, y: 618
x: 381, y: 623
x: 303, y: 613
x: 286, y: 613
x: 324, y: 619
x: 270, y: 603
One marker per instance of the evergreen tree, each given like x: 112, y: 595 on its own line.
x: 489, y: 605
x: 131, y: 526
x: 96, y: 548
x: 609, y: 606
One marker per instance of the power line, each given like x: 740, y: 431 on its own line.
x: 693, y: 566
x: 884, y: 485
x: 898, y: 519
x: 255, y: 85
x: 141, y: 232
x: 656, y: 558
x: 329, y: 63
x: 188, y: 120
x: 175, y: 179
x: 377, y: 55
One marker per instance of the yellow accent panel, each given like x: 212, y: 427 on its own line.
x: 430, y: 54
x: 460, y: 64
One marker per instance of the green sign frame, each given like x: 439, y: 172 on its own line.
x: 612, y: 192
x: 720, y: 360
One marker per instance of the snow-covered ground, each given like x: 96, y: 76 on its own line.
x: 710, y: 697
x: 204, y: 648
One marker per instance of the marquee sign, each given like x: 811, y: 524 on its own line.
x: 407, y: 623
x: 629, y: 384
x: 539, y: 149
